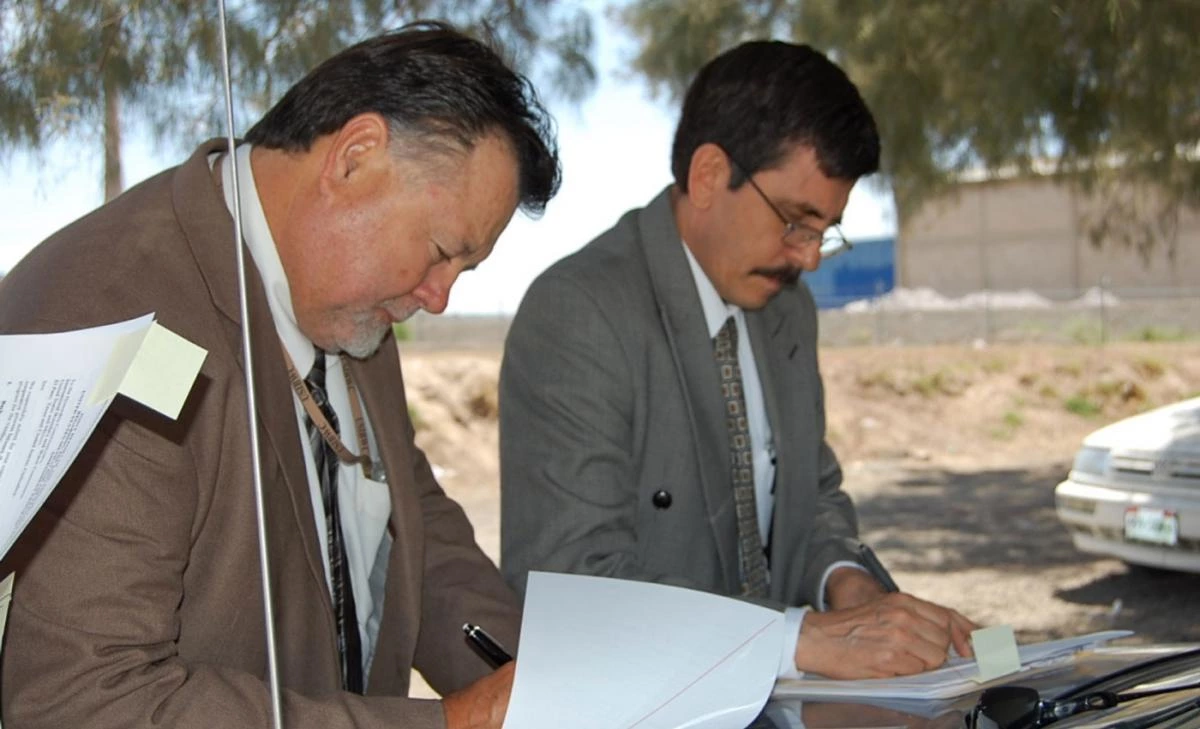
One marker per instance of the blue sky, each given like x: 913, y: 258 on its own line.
x: 615, y: 151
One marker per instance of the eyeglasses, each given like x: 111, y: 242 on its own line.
x: 794, y: 235
x: 1021, y: 707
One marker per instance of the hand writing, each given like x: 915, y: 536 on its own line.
x: 891, y: 635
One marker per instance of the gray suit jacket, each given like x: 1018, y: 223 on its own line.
x: 137, y: 599
x: 609, y: 394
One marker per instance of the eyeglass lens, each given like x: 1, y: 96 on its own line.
x: 1007, y: 707
x: 833, y: 243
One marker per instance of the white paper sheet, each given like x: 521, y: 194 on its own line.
x: 956, y: 678
x: 607, y: 653
x: 48, y: 408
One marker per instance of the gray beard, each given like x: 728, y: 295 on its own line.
x: 367, y: 336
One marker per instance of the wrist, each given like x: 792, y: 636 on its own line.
x: 849, y: 587
x: 811, y: 644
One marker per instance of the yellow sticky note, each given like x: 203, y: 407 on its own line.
x: 995, y: 652
x: 123, y: 353
x: 163, y: 371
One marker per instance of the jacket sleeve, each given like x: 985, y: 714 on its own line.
x: 460, y: 585
x: 834, y: 532
x: 835, y: 528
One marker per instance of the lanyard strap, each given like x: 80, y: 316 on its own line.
x: 300, y: 387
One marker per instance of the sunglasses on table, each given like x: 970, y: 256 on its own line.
x: 1022, y: 707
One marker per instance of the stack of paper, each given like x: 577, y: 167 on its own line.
x: 55, y: 387
x: 957, y: 678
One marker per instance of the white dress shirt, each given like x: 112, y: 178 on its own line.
x: 365, y: 505
x: 762, y: 448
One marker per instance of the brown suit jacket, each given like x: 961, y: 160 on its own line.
x: 137, y: 601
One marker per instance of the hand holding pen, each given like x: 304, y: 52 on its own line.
x: 483, y: 704
x: 867, y: 558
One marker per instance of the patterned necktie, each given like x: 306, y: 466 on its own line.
x: 339, y: 571
x: 741, y: 463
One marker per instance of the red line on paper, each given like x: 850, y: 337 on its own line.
x: 710, y: 669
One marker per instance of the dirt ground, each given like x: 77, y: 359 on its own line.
x: 951, y: 455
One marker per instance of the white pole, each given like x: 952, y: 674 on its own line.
x: 251, y: 400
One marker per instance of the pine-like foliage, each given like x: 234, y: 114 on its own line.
x: 1105, y: 93
x: 84, y: 69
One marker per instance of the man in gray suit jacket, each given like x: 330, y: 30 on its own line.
x: 365, y: 191
x: 630, y: 449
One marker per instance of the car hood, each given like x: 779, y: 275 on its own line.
x: 1173, y: 428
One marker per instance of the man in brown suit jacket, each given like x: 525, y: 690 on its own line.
x: 372, y: 184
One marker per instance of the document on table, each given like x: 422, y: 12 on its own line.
x: 54, y: 388
x: 957, y: 678
x: 601, y: 652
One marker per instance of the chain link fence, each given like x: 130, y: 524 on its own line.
x: 922, y: 316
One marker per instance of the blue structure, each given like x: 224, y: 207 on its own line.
x: 866, y: 271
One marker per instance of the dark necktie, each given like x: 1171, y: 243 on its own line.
x: 326, y: 461
x: 741, y: 463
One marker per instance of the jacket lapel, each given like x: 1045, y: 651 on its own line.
x: 781, y: 353
x: 208, y: 226
x: 683, y: 324
x: 771, y: 341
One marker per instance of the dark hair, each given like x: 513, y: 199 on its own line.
x: 431, y: 82
x: 761, y: 98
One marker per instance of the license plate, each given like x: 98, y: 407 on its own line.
x: 1155, y: 526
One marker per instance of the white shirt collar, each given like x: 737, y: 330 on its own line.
x: 716, y: 311
x: 262, y: 248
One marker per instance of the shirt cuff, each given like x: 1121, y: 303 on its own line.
x: 793, y: 620
x: 825, y: 578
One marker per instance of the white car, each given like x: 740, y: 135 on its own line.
x: 1134, y: 490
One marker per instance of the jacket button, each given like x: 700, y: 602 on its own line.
x: 661, y: 499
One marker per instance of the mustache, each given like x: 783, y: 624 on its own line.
x: 787, y: 275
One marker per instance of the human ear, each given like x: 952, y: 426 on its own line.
x: 356, y: 147
x: 708, y: 174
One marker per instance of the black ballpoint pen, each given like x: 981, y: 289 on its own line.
x: 486, y: 646
x: 867, y: 556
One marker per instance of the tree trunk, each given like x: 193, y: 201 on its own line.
x: 900, y: 272
x: 110, y: 33
x: 113, y: 179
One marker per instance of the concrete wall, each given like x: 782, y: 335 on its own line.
x: 429, y: 331
x: 1027, y: 234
